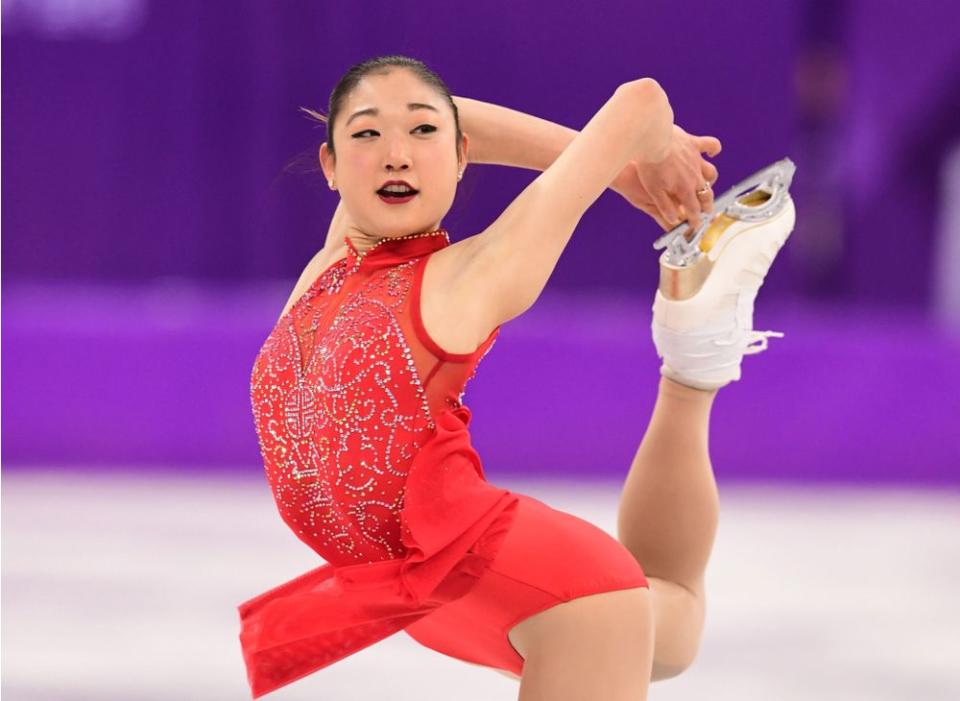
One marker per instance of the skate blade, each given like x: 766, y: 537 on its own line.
x: 756, y: 198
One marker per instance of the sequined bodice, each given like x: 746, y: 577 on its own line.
x: 344, y: 393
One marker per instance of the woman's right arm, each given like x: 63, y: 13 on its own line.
x: 339, y: 225
x: 503, y: 136
x: 512, y: 260
x: 334, y: 248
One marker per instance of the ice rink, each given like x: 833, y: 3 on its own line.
x: 118, y: 586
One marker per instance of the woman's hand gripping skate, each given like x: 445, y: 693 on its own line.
x: 667, y: 189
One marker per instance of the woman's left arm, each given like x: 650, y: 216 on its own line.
x: 502, y: 136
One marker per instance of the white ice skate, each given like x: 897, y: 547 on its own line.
x: 703, y: 310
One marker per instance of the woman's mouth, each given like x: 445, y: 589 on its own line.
x: 394, y: 197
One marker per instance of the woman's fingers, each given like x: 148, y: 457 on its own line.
x: 705, y: 200
x: 709, y: 172
x: 668, y: 210
x: 709, y: 145
x: 661, y: 222
x: 692, y: 206
x: 674, y: 184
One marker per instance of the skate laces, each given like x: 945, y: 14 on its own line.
x: 752, y: 338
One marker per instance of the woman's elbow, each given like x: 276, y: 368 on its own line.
x: 645, y: 88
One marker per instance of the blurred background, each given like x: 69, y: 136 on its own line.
x: 162, y: 197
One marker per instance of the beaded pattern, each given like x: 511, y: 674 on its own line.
x: 341, y: 412
x: 436, y: 232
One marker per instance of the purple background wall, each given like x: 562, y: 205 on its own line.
x: 152, y: 232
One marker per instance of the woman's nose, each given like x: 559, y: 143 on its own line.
x: 398, y: 155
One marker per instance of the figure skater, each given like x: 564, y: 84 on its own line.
x: 357, y: 395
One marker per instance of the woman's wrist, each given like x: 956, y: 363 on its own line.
x: 626, y: 176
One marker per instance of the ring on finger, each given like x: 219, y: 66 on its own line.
x: 703, y: 190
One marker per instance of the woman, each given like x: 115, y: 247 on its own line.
x: 357, y: 397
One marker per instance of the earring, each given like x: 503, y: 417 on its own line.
x: 330, y: 184
x: 460, y: 175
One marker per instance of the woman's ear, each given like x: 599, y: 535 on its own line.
x: 464, y: 150
x: 327, y: 161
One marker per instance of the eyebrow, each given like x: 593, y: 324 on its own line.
x: 374, y: 111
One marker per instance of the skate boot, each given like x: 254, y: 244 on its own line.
x: 703, y: 310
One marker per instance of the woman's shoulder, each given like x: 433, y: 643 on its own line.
x: 320, y: 262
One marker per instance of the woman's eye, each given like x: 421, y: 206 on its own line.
x: 429, y: 127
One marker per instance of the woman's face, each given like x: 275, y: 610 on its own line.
x: 380, y: 138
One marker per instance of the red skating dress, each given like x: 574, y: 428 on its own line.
x: 367, y: 452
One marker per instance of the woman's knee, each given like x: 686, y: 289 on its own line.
x: 680, y: 614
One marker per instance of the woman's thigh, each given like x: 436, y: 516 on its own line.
x: 678, y: 623
x: 548, y: 558
x: 602, y: 566
x: 594, y: 646
x: 604, y: 612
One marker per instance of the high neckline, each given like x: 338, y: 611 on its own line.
x: 392, y: 251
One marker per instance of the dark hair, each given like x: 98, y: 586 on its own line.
x: 380, y: 65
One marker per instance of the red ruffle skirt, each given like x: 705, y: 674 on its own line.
x: 452, y: 524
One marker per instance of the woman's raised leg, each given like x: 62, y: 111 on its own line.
x: 612, y: 645
x: 702, y: 328
x: 668, y: 519
x: 669, y: 506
